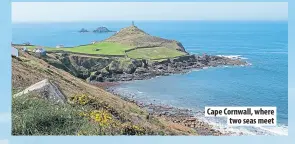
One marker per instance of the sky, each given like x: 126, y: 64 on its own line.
x: 4, y: 117
x: 3, y: 141
x: 95, y: 11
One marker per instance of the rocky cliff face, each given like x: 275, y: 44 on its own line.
x: 95, y: 69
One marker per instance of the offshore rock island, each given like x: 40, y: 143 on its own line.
x: 102, y: 30
x: 97, y: 30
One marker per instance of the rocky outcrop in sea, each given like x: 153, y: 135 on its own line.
x: 83, y: 30
x: 102, y: 30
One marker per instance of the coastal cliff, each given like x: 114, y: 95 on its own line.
x: 146, y: 57
x: 98, y: 69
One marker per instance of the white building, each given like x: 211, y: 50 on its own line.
x: 40, y: 51
x: 14, y: 51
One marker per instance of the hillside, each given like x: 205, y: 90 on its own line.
x: 135, y: 37
x: 112, y: 115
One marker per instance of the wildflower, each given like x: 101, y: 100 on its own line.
x: 102, y: 117
x: 81, y: 99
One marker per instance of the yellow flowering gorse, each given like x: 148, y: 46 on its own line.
x: 101, y: 116
x: 81, y: 99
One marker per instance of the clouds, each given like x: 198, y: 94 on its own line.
x: 3, y: 141
x: 94, y: 11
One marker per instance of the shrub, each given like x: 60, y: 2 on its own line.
x: 34, y: 116
x: 81, y: 99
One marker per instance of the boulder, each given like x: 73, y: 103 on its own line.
x: 45, y: 89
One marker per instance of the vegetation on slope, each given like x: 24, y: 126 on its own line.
x: 154, y: 53
x: 133, y: 36
x: 101, y: 48
x: 34, y: 116
x: 89, y: 111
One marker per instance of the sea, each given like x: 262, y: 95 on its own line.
x: 264, y: 44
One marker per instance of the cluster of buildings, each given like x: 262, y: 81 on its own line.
x: 39, y: 51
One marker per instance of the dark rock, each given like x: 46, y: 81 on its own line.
x: 102, y: 30
x: 115, y: 67
x: 99, y: 79
x: 91, y: 78
x: 83, y: 30
x: 95, y: 73
x: 130, y: 69
x: 145, y: 63
x: 137, y: 63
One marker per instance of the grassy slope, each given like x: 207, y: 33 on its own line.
x: 154, y: 53
x: 28, y: 70
x: 34, y: 116
x: 104, y: 48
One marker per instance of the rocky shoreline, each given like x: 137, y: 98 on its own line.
x: 178, y: 65
x: 143, y: 69
x: 181, y: 116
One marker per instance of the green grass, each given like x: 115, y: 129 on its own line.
x: 154, y: 53
x: 104, y: 48
x: 108, y: 48
x: 34, y: 116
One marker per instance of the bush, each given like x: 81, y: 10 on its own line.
x: 34, y: 116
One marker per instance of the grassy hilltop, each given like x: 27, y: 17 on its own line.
x: 130, y: 42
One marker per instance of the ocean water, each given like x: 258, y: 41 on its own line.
x: 263, y: 44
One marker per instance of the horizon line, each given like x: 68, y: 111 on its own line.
x: 267, y: 20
